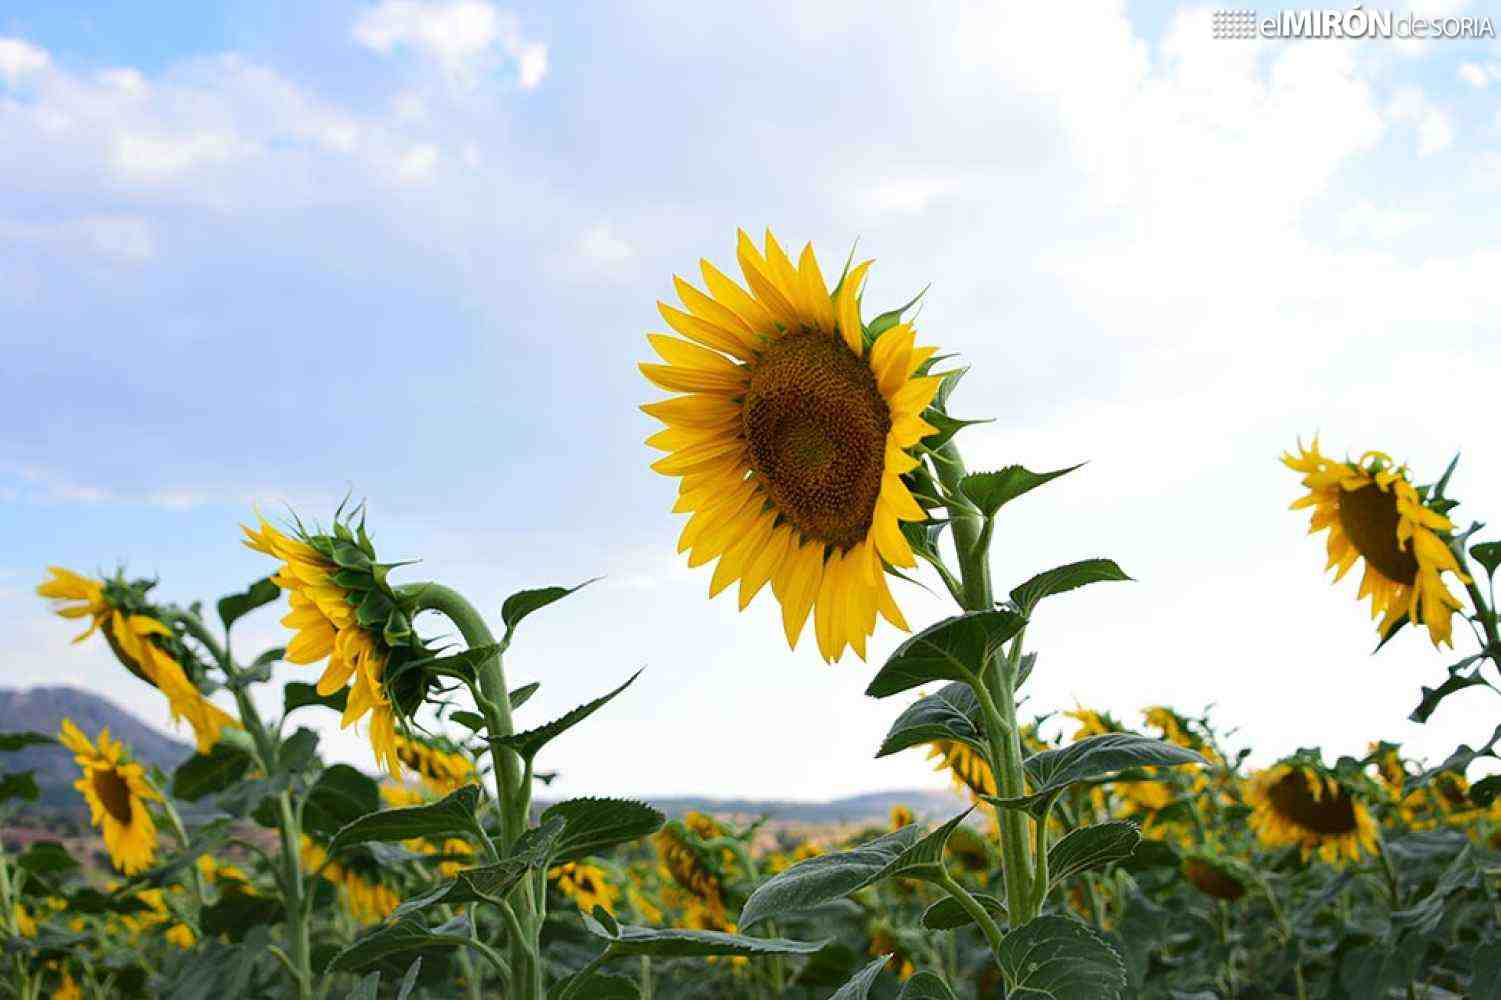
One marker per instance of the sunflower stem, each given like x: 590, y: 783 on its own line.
x: 972, y: 907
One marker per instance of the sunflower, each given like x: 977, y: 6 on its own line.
x: 967, y: 766
x: 901, y: 816
x: 365, y: 899
x: 883, y: 941
x: 791, y: 440
x: 117, y: 791
x: 457, y: 853
x: 1374, y: 513
x: 687, y: 865
x: 344, y: 611
x: 138, y: 633
x: 586, y: 886
x: 1213, y: 877
x: 441, y: 766
x: 1297, y: 802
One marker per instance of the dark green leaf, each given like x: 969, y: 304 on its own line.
x: 451, y: 816
x: 599, y: 986
x: 409, y: 981
x: 1063, y: 579
x: 925, y: 986
x: 858, y: 988
x: 1485, y: 975
x: 891, y: 317
x: 46, y: 856
x: 406, y: 934
x: 1433, y: 696
x: 205, y: 774
x: 593, y: 826
x: 1457, y: 762
x: 945, y: 426
x: 520, y: 696
x: 1091, y: 847
x: 10, y: 742
x: 523, y: 603
x: 1484, y: 791
x: 990, y: 491
x: 1487, y: 554
x: 947, y: 914
x: 826, y: 877
x: 18, y: 785
x: 471, y: 720
x: 236, y: 911
x: 1375, y: 970
x: 533, y: 850
x: 953, y: 713
x: 924, y: 859
x: 1055, y: 958
x: 297, y: 751
x: 463, y: 665
x: 954, y: 649
x: 528, y: 743
x: 628, y: 940
x: 1051, y: 771
x: 236, y: 606
x: 367, y: 988
x: 1424, y: 916
x: 299, y: 695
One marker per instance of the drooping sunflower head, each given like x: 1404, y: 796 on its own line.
x: 116, y: 789
x: 357, y: 878
x: 586, y: 885
x: 791, y: 439
x: 901, y: 816
x: 1092, y: 723
x: 690, y: 866
x: 1374, y: 513
x: 344, y: 611
x: 970, y: 850
x: 1179, y: 730
x: 146, y: 638
x: 966, y: 764
x: 1214, y: 876
x: 443, y: 766
x: 1298, y: 802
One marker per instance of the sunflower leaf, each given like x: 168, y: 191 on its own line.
x: 1456, y: 681
x: 925, y: 986
x: 45, y: 856
x: 827, y: 877
x: 236, y: 606
x: 598, y: 986
x: 1062, y: 579
x: 1051, y: 771
x: 19, y: 785
x: 948, y: 915
x: 945, y: 427
x: 527, y: 744
x: 1487, y: 554
x: 1092, y: 847
x: 1462, y: 757
x: 367, y: 988
x: 204, y: 774
x: 858, y: 988
x: 1485, y: 791
x: 626, y: 940
x: 990, y: 491
x: 340, y: 796
x: 11, y: 742
x: 955, y: 649
x: 953, y: 713
x: 533, y: 850
x: 1055, y: 958
x: 523, y: 603
x: 404, y: 935
x: 520, y: 696
x: 592, y: 826
x: 924, y: 859
x: 451, y: 816
x: 296, y: 694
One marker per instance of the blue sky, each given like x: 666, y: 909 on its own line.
x: 408, y: 249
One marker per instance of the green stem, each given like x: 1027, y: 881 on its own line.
x: 1483, y: 610
x: 180, y: 832
x: 972, y: 907
x: 971, y: 533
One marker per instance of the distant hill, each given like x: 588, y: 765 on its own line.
x: 853, y: 809
x: 42, y: 709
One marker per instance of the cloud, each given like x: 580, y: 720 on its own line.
x: 1474, y: 74
x: 156, y: 157
x: 419, y: 163
x: 599, y: 253
x: 462, y: 36
x: 1433, y: 129
x: 20, y: 59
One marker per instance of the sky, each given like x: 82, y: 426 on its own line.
x: 408, y: 250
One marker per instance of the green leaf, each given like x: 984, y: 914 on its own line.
x: 520, y: 696
x: 1377, y: 969
x: 953, y: 713
x: 990, y: 491
x: 891, y: 317
x: 1051, y: 771
x: 297, y: 751
x: 948, y: 915
x: 1457, y: 762
x: 1485, y: 974
x: 1063, y: 579
x: 236, y: 606
x: 406, y: 934
x: 593, y: 826
x: 599, y: 986
x: 925, y: 986
x: 954, y: 649
x: 341, y: 796
x: 1055, y: 958
x: 1091, y: 847
x: 451, y: 816
x: 409, y: 981
x: 945, y: 426
x: 533, y: 850
x: 628, y: 940
x: 528, y: 743
x: 10, y: 742
x: 905, y: 853
x: 1487, y: 554
x: 463, y: 665
x: 367, y: 988
x: 45, y: 857
x: 297, y: 695
x: 1457, y: 681
x: 858, y: 988
x: 1484, y: 791
x: 19, y: 785
x: 523, y: 603
x: 205, y: 774
x: 236, y: 911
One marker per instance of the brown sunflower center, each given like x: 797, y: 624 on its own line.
x: 1332, y: 815
x: 1369, y: 517
x: 817, y: 423
x: 114, y: 794
x: 1212, y: 881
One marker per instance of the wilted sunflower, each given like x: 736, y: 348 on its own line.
x: 1373, y: 512
x: 1298, y: 802
x: 792, y: 439
x: 967, y: 766
x: 142, y: 641
x: 586, y: 886
x: 343, y: 610
x: 117, y: 792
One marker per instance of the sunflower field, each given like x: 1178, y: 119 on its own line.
x: 817, y: 459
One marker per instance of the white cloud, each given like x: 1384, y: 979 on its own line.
x: 600, y: 254
x: 1434, y: 132
x: 904, y: 195
x: 20, y: 59
x: 461, y: 36
x: 1474, y: 74
x: 419, y: 163
x: 1367, y: 222
x: 155, y: 157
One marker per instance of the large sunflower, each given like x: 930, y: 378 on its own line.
x: 792, y: 439
x: 1298, y: 802
x: 345, y: 612
x: 117, y: 792
x: 138, y: 633
x: 1374, y: 513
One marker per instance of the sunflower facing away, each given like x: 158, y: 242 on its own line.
x: 442, y: 767
x: 1373, y: 512
x: 586, y: 886
x: 343, y: 611
x: 142, y: 641
x: 117, y: 792
x: 1300, y: 803
x: 966, y: 765
x: 791, y: 439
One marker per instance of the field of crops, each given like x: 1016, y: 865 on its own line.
x: 818, y: 451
